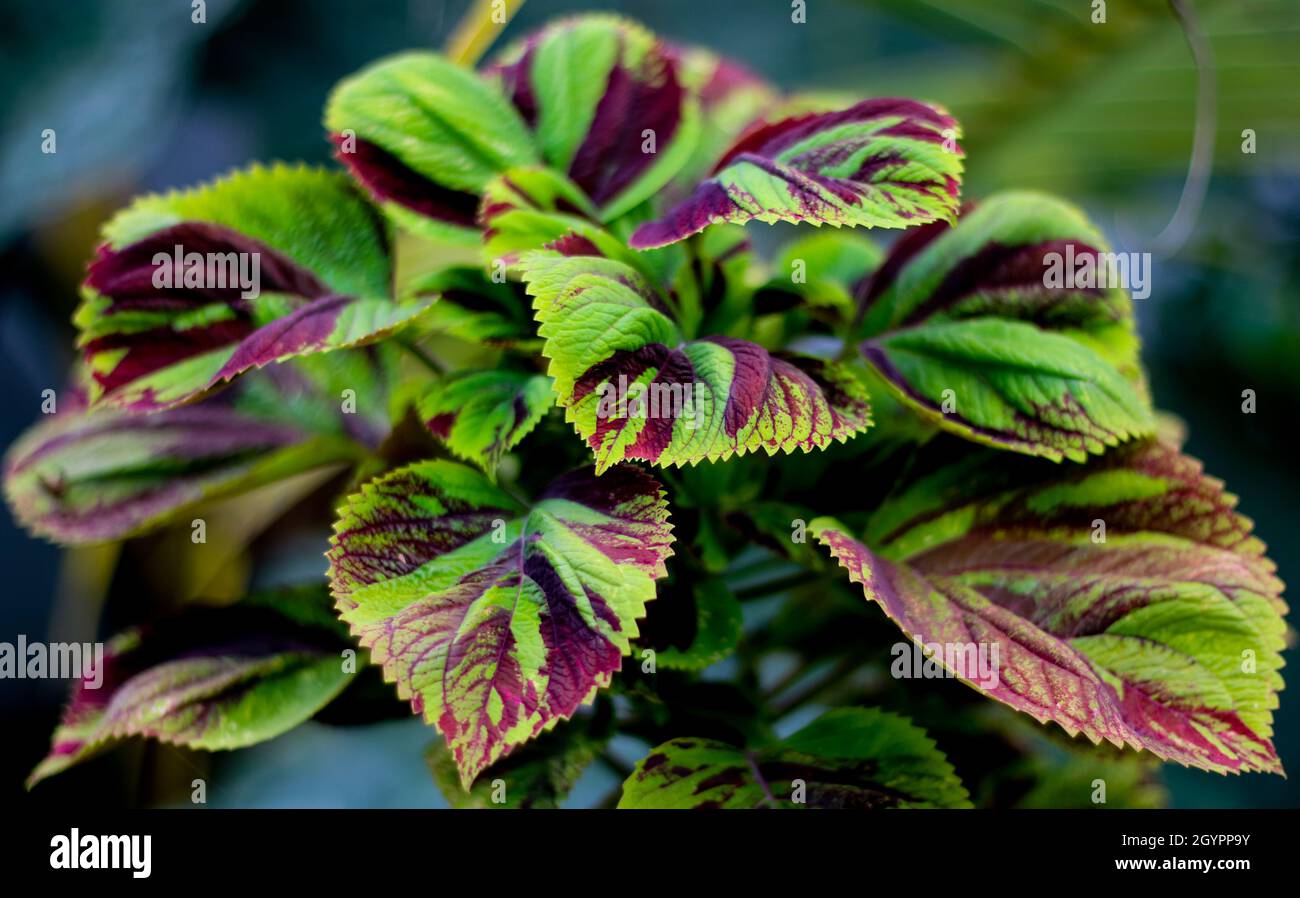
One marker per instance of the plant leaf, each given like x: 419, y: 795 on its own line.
x: 713, y: 626
x: 424, y: 136
x: 964, y: 329
x: 472, y: 307
x: 157, y: 334
x: 1053, y: 773
x: 1012, y: 385
x: 210, y: 678
x: 880, y: 163
x: 530, y: 208
x: 357, y: 393
x: 497, y: 621
x: 595, y: 89
x: 539, y: 775
x: 106, y: 475
x: 819, y: 272
x: 1127, y: 600
x: 610, y: 337
x: 861, y: 758
x: 482, y: 415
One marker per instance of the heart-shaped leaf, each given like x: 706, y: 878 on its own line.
x: 482, y: 415
x: 497, y: 621
x: 635, y: 388
x: 211, y: 678
x: 968, y: 329
x: 861, y: 758
x: 194, y: 288
x: 885, y: 163
x: 1125, y: 599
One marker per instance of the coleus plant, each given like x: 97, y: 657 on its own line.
x: 555, y: 243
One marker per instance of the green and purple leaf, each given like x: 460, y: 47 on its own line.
x: 596, y: 90
x: 859, y: 758
x: 963, y: 328
x: 106, y: 475
x: 482, y: 415
x: 531, y: 208
x: 497, y: 621
x: 157, y: 334
x: 882, y: 163
x: 1126, y: 599
x: 424, y: 136
x: 634, y: 388
x: 210, y: 678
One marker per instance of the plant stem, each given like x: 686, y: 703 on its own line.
x: 424, y: 358
x: 859, y: 314
x: 478, y: 30
x: 1199, y: 167
x: 844, y: 668
x: 771, y: 587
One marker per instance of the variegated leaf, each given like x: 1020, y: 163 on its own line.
x: 859, y: 758
x: 1125, y: 599
x: 496, y: 620
x: 885, y: 163
x: 606, y: 101
x: 109, y: 474
x: 194, y: 288
x: 424, y: 136
x: 210, y: 678
x: 482, y: 415
x: 966, y: 327
x: 635, y: 388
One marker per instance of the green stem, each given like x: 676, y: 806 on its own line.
x: 859, y: 315
x: 423, y: 357
x: 772, y: 587
x: 763, y: 564
x: 846, y: 667
x: 479, y: 29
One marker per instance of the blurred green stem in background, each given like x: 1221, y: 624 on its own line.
x: 480, y: 27
x: 1180, y: 226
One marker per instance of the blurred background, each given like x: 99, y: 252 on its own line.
x: 143, y: 99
